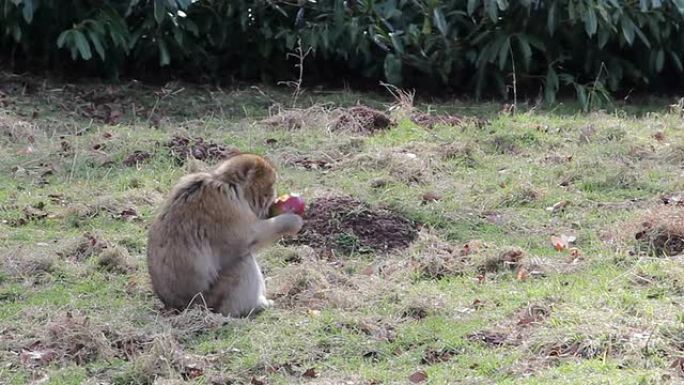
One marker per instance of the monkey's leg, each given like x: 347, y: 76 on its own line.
x: 269, y: 231
x: 240, y: 291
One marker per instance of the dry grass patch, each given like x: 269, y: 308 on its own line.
x: 661, y: 231
x: 313, y: 285
x: 82, y: 248
x: 402, y: 165
x: 16, y: 130
x: 27, y: 263
x: 115, y: 259
x: 357, y: 119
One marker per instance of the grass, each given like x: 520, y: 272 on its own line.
x: 76, y: 305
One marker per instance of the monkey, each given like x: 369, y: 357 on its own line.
x: 201, y: 245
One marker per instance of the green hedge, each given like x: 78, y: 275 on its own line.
x: 593, y: 48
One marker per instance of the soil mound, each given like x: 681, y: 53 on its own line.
x: 348, y: 225
x: 362, y: 119
x: 182, y: 148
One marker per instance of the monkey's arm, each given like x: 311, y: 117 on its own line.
x: 268, y: 231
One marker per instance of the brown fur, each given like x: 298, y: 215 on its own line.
x: 201, y: 245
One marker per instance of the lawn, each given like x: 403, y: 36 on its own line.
x: 445, y: 242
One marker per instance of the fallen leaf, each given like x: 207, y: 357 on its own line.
x: 676, y: 199
x: 372, y: 355
x: 558, y: 206
x: 659, y: 136
x: 379, y: 183
x: 431, y: 197
x: 37, y: 355
x: 256, y: 381
x: 678, y: 364
x: 477, y: 304
x: 128, y: 214
x: 368, y: 270
x: 533, y: 314
x: 33, y: 212
x: 432, y: 356
x: 488, y: 337
x: 418, y: 377
x: 114, y: 115
x: 136, y: 157
x: 523, y: 274
x: 563, y: 242
x: 310, y: 373
x: 194, y: 372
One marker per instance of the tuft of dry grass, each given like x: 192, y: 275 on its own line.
x: 16, y: 130
x: 115, y: 259
x: 82, y: 248
x: 311, y: 285
x: 23, y: 262
x: 661, y: 231
x: 299, y: 118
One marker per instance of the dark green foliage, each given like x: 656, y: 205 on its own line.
x: 592, y: 48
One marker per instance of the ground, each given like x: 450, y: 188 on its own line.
x: 444, y: 242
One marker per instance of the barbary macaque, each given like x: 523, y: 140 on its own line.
x: 202, y: 244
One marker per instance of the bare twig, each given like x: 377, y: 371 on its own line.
x: 300, y: 55
x: 515, y: 82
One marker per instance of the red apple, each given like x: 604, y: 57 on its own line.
x: 288, y: 203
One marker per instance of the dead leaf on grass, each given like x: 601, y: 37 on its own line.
x: 490, y: 338
x: 563, y: 242
x: 433, y: 356
x: 37, y: 355
x: 310, y: 373
x: 35, y: 212
x: 128, y: 215
x: 430, y: 196
x: 533, y: 314
x: 136, y: 157
x: 418, y: 377
x: 676, y: 199
x: 558, y: 206
x: 678, y: 365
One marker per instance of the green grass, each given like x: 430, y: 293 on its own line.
x: 620, y: 309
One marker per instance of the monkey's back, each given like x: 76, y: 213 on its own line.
x: 180, y: 257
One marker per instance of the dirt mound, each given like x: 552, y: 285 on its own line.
x: 429, y: 121
x: 362, y: 119
x: 662, y: 231
x: 183, y: 147
x: 136, y: 157
x: 348, y: 225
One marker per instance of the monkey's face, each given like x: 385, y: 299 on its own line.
x: 262, y: 199
x: 256, y: 177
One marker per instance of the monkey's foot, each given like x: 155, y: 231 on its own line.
x: 264, y: 302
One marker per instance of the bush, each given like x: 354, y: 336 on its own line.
x: 593, y: 48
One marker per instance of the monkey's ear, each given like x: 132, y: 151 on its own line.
x: 231, y: 153
x: 249, y: 170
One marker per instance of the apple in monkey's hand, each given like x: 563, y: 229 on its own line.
x: 288, y: 203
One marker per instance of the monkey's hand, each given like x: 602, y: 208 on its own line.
x: 268, y: 231
x: 289, y: 223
